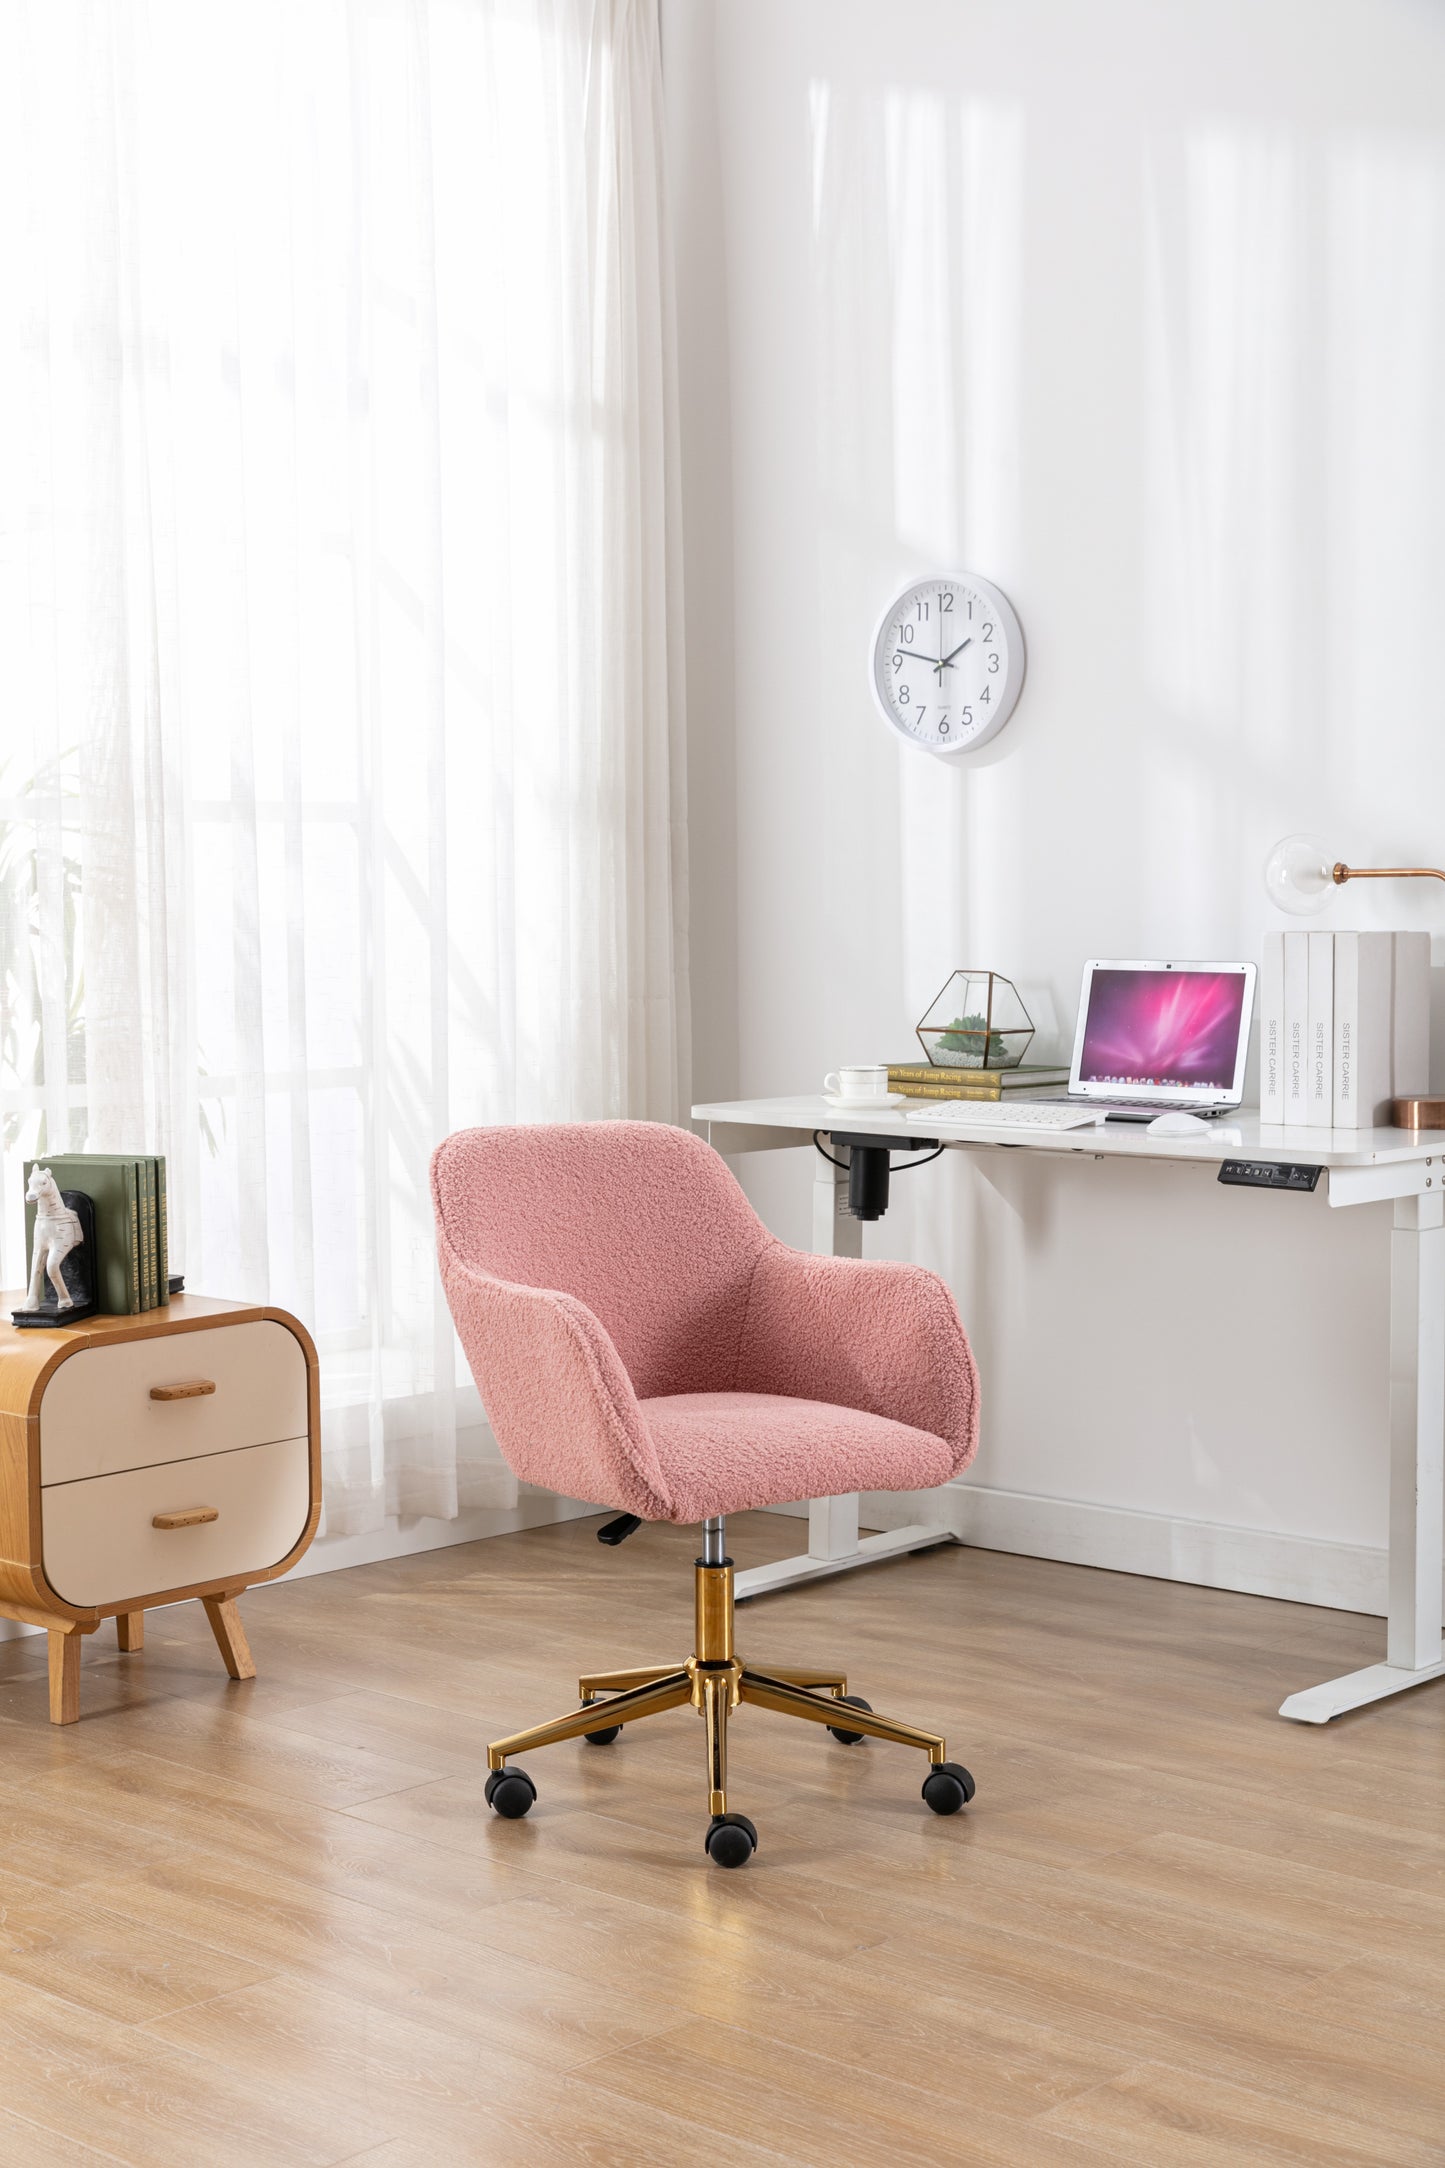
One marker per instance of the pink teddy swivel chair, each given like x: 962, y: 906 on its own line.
x: 639, y: 1338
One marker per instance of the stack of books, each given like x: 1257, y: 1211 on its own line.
x: 1344, y: 1027
x: 132, y: 1264
x: 929, y: 1080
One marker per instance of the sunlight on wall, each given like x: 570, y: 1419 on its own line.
x: 917, y: 215
x: 1384, y: 434
x: 1227, y: 667
x: 1294, y: 341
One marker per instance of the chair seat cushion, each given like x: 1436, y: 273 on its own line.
x: 724, y: 1452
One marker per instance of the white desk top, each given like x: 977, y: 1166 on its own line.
x: 1241, y: 1136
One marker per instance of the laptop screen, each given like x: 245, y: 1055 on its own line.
x: 1176, y: 1030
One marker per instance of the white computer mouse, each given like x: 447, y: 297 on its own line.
x: 1177, y: 1125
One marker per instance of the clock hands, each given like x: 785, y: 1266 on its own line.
x: 940, y: 663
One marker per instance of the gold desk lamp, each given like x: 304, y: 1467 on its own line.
x: 1300, y: 876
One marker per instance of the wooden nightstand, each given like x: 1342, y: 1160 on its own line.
x: 147, y: 1459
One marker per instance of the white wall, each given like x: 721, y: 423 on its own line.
x: 1138, y: 309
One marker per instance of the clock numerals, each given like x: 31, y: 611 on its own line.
x: 947, y: 661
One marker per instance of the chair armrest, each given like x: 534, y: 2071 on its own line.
x: 862, y: 1334
x: 555, y: 1391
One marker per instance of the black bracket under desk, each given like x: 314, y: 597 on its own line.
x: 869, y: 1167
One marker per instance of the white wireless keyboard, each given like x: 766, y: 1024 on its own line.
x: 996, y: 1114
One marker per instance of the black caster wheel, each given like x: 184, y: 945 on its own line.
x: 510, y: 1793
x: 851, y: 1738
x: 604, y: 1736
x: 731, y: 1840
x: 947, y: 1787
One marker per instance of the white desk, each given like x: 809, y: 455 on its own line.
x: 1361, y: 1167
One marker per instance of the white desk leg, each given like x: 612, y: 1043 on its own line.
x: 834, y: 1545
x: 1414, y: 1650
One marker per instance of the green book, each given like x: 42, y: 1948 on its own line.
x: 112, y: 1187
x: 163, y: 1243
x: 149, y: 1297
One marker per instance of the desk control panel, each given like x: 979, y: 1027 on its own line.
x: 1269, y: 1174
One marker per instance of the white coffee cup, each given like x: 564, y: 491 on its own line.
x: 863, y: 1080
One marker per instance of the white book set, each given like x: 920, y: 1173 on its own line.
x: 1344, y: 1027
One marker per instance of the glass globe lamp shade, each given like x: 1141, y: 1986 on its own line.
x: 1299, y: 875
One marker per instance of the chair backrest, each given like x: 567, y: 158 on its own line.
x: 643, y: 1223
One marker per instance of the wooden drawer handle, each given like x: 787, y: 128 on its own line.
x: 191, y: 1390
x: 188, y: 1517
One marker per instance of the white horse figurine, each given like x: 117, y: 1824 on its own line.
x: 57, y: 1233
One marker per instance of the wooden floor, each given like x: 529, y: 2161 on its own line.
x: 276, y: 1923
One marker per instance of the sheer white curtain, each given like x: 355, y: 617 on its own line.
x: 340, y: 768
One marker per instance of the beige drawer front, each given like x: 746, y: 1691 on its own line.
x: 97, y: 1414
x: 100, y: 1546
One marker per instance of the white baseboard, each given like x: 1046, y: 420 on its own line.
x: 400, y: 1539
x: 1256, y: 1562
x: 1299, y: 1569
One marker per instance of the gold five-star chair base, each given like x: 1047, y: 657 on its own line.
x: 716, y: 1682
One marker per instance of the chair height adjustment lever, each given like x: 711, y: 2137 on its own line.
x: 618, y: 1531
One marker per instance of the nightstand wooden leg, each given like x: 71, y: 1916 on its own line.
x: 130, y: 1631
x: 64, y: 1676
x: 230, y: 1636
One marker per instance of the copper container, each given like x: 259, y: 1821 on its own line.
x: 1418, y: 1113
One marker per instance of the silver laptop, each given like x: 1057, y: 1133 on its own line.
x: 1156, y: 1036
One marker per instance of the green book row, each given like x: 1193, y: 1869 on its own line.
x: 132, y: 1264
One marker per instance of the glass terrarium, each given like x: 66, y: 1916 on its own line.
x: 977, y: 1022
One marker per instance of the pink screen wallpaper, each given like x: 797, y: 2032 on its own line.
x: 1162, y: 1027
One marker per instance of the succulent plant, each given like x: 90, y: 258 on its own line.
x: 966, y: 1034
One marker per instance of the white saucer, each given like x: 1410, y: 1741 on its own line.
x: 874, y: 1105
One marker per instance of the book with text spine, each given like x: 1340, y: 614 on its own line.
x: 1363, y: 967
x: 1320, y: 1033
x: 133, y: 1185
x: 111, y: 1183
x: 967, y: 1091
x: 1296, y: 1023
x: 145, y: 1269
x: 1271, y: 1030
x: 163, y: 1240
x: 1410, y: 1073
x: 148, y: 1233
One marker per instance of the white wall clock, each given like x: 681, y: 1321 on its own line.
x: 948, y: 662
